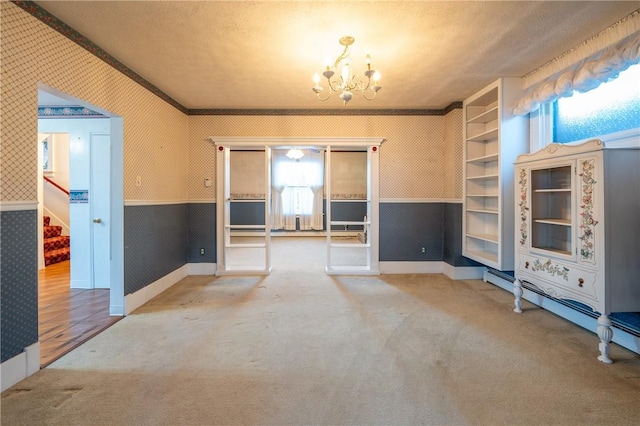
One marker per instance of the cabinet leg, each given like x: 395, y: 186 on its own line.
x: 605, y: 333
x: 517, y: 292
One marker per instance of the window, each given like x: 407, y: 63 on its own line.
x: 298, y: 178
x: 611, y: 107
x: 46, y: 164
x: 297, y: 189
x: 47, y: 153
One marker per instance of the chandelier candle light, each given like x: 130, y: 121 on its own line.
x: 347, y: 82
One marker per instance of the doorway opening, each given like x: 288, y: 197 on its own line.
x: 80, y: 278
x: 280, y: 211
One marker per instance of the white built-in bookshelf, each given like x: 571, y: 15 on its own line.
x: 493, y: 138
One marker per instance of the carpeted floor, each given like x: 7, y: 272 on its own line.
x: 299, y: 347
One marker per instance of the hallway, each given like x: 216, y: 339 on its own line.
x: 67, y: 317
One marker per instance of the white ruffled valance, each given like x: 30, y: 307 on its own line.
x: 587, y: 73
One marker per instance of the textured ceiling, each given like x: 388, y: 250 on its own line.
x: 263, y: 54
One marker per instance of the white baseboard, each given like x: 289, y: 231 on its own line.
x: 621, y: 337
x: 434, y: 267
x: 411, y: 267
x: 134, y: 300
x: 81, y: 284
x: 20, y: 366
x: 453, y: 272
x: 463, y: 272
x: 202, y: 268
x: 116, y: 310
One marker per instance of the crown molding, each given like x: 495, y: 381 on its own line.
x: 452, y: 106
x: 327, y: 112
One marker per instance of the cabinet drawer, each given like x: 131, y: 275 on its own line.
x: 561, y: 280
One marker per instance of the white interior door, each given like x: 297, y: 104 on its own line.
x: 238, y: 254
x: 368, y: 263
x: 100, y: 196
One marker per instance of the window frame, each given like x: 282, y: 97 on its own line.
x: 541, y: 124
x: 49, y: 170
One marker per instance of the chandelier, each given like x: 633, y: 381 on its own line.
x: 347, y: 82
x: 295, y: 154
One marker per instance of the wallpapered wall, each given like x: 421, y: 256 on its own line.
x: 453, y: 148
x: 154, y: 131
x: 421, y: 158
x: 348, y: 174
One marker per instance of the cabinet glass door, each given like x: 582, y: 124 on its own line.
x: 552, y: 209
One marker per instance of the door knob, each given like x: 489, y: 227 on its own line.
x: 97, y: 220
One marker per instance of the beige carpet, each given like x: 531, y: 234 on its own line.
x: 299, y: 347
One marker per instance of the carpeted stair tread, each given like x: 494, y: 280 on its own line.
x: 56, y: 246
x: 52, y: 231
x: 55, y: 243
x: 55, y: 256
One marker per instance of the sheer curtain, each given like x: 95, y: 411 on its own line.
x: 297, y: 188
x: 317, y: 216
x: 279, y: 181
x: 312, y: 177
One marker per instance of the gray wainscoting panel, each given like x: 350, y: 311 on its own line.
x: 247, y: 213
x: 252, y: 213
x: 453, y: 236
x: 155, y: 243
x: 348, y: 211
x: 18, y: 281
x: 202, y: 233
x: 405, y: 228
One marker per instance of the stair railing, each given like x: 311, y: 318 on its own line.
x: 56, y: 185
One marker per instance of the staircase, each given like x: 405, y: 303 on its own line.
x: 56, y: 247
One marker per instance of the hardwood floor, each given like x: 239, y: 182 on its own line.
x: 67, y: 317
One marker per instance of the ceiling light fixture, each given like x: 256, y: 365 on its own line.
x: 347, y: 81
x: 295, y: 154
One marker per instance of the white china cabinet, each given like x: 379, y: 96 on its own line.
x: 578, y: 228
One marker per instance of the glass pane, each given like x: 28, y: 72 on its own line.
x: 551, y: 237
x: 45, y: 154
x: 551, y: 209
x: 611, y: 107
